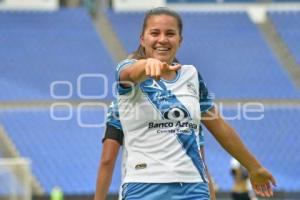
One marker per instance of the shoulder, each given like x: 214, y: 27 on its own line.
x: 124, y: 63
x: 189, y: 68
x: 192, y: 70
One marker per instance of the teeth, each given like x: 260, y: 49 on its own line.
x: 162, y: 49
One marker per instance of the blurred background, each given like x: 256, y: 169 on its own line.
x: 57, y: 66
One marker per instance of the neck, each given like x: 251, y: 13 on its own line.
x: 169, y: 75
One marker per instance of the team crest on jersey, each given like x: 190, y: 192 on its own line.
x: 191, y: 88
x: 154, y: 85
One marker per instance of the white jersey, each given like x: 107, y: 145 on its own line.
x: 160, y: 121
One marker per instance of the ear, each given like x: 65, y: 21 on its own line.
x: 142, y: 42
x: 180, y: 41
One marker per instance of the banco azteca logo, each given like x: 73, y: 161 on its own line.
x: 175, y: 113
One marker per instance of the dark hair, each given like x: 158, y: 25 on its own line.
x: 140, y: 52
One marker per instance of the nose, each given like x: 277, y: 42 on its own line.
x: 163, y: 38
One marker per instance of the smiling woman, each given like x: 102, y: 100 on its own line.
x: 162, y: 29
x: 168, y: 165
x: 161, y: 38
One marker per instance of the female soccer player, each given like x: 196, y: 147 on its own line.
x: 161, y: 105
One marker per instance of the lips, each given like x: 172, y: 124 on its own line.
x: 162, y: 49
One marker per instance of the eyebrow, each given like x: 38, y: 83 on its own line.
x: 169, y: 30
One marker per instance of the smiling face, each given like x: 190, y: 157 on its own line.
x: 161, y: 38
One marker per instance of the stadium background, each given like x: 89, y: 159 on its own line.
x: 53, y: 94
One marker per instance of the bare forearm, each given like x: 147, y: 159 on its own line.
x: 144, y: 68
x: 134, y: 73
x: 103, y: 182
x: 232, y: 143
x: 106, y: 167
x: 229, y: 139
x: 260, y: 177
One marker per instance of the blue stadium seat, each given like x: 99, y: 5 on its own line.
x: 228, y: 50
x: 274, y: 140
x: 38, y: 48
x: 63, y: 153
x: 287, y: 25
x: 129, y: 21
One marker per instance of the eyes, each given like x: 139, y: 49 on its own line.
x: 156, y: 33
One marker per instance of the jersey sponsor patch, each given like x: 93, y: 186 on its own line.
x: 140, y: 166
x: 173, y: 127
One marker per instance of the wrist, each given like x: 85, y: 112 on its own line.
x: 254, y: 167
x: 251, y: 164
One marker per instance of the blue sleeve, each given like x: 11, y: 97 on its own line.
x: 113, y: 125
x: 122, y: 65
x: 205, y: 99
x: 113, y: 117
x: 201, y: 136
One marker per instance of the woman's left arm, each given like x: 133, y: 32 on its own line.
x: 260, y: 178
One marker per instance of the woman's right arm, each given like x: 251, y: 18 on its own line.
x: 107, y: 163
x: 135, y: 72
x: 142, y: 69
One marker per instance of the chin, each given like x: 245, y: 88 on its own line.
x: 163, y: 59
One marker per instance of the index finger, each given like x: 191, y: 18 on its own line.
x: 164, y: 65
x: 174, y: 67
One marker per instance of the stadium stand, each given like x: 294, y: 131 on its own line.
x: 227, y: 48
x: 62, y: 153
x: 274, y: 140
x: 38, y: 48
x: 65, y: 154
x: 288, y: 26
